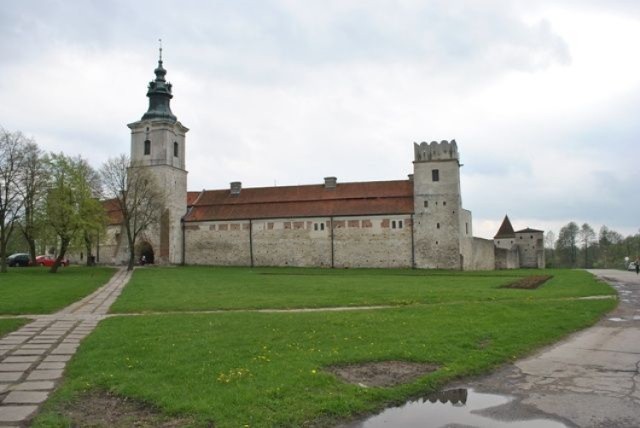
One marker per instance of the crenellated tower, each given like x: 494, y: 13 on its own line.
x: 158, y: 143
x: 437, y: 206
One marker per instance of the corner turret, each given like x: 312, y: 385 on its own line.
x: 444, y: 150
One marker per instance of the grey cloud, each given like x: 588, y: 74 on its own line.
x: 247, y: 38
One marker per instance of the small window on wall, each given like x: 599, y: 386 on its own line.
x: 175, y: 148
x: 400, y: 224
x: 435, y: 175
x: 466, y: 229
x: 393, y: 224
x: 438, y: 225
x: 426, y: 204
x: 147, y: 147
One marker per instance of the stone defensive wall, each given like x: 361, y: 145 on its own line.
x: 341, y: 242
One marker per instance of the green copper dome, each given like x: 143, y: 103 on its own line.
x: 159, y: 93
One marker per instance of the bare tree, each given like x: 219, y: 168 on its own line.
x: 550, y: 245
x: 137, y: 195
x: 33, y: 187
x: 587, y: 237
x: 11, y: 203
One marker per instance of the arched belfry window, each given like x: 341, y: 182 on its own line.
x: 175, y: 148
x: 147, y: 147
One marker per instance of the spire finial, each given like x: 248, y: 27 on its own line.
x: 160, y: 43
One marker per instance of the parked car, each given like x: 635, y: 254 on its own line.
x: 19, y: 259
x: 632, y: 266
x: 49, y: 261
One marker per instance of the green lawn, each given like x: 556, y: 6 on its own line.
x: 266, y: 369
x: 9, y: 325
x: 206, y: 288
x: 36, y: 291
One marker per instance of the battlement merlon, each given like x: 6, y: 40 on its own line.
x: 434, y: 151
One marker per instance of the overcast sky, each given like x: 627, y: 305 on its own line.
x: 543, y: 97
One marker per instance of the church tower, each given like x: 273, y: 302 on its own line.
x: 158, y: 143
x: 438, y: 210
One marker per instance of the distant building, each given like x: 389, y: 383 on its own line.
x: 522, y: 248
x: 418, y: 222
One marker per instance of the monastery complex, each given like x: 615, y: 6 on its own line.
x: 414, y: 223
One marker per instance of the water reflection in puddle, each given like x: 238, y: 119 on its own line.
x: 456, y: 407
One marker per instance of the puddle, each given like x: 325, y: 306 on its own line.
x: 456, y: 407
x: 616, y: 319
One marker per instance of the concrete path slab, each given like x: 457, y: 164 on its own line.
x: 589, y: 380
x: 33, y: 358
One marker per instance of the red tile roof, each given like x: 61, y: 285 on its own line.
x: 364, y: 198
x: 114, y: 214
x: 191, y: 197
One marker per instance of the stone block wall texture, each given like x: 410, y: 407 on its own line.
x: 291, y: 242
x: 168, y: 168
x: 437, y: 206
x: 173, y: 181
x: 218, y: 243
x: 377, y: 244
x: 482, y: 254
x: 530, y: 245
x: 371, y: 241
x: 505, y: 243
x: 507, y: 258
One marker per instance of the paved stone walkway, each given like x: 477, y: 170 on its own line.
x: 33, y: 358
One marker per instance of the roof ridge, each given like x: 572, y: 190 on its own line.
x: 296, y: 201
x: 310, y: 185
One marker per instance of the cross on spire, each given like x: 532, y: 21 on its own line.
x: 160, y: 43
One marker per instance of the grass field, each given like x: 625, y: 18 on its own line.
x: 36, y: 291
x: 206, y: 288
x: 268, y: 369
x: 9, y: 325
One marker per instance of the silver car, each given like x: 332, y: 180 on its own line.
x: 632, y: 266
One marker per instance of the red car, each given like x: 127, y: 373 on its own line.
x: 49, y: 261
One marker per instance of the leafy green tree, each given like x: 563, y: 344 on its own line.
x: 608, y: 242
x: 72, y: 201
x: 93, y: 215
x: 138, y: 196
x: 33, y: 187
x: 11, y: 203
x: 566, y: 244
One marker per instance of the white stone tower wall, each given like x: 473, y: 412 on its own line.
x: 437, y: 206
x: 171, y: 177
x: 531, y: 248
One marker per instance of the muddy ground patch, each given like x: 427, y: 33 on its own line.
x: 529, y: 283
x: 381, y: 373
x: 100, y: 409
